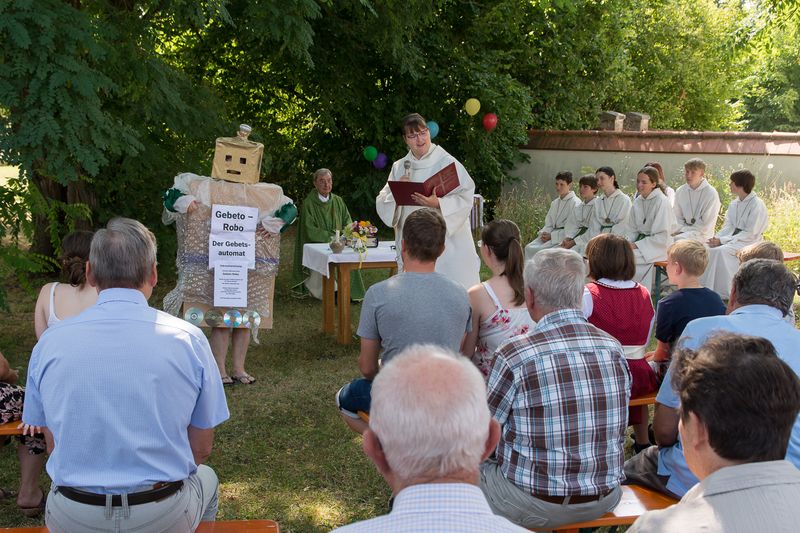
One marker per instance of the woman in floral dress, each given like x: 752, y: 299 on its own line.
x: 498, y: 304
x: 30, y: 450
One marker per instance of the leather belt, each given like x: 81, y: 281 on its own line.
x: 569, y: 500
x: 158, y: 492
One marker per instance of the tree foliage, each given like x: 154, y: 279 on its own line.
x: 772, y: 96
x: 103, y: 101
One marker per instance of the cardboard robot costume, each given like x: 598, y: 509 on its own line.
x: 232, y: 189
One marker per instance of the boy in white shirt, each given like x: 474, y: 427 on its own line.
x: 696, y: 204
x: 580, y: 219
x: 555, y: 222
x: 745, y: 223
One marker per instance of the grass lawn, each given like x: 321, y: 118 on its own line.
x: 284, y: 454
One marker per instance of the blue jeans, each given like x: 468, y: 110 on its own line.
x: 355, y: 397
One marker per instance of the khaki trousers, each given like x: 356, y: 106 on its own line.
x: 179, y: 513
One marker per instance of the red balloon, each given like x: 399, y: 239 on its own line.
x: 489, y: 121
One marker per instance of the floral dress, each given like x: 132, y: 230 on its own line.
x: 11, y: 400
x: 496, y: 329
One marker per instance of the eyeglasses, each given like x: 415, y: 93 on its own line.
x: 413, y: 136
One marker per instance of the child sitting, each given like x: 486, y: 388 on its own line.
x: 580, y: 219
x: 649, y: 226
x: 622, y: 308
x: 686, y: 262
x: 696, y: 204
x: 745, y: 223
x: 612, y: 207
x: 556, y: 220
x: 662, y: 180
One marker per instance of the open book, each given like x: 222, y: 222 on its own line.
x: 440, y: 183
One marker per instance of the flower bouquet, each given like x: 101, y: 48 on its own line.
x: 361, y: 235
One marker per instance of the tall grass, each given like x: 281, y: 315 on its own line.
x: 527, y: 206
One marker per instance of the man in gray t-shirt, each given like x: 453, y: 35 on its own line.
x: 419, y: 306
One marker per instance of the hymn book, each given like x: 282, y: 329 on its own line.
x: 440, y: 184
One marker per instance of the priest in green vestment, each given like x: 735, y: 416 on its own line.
x: 321, y: 214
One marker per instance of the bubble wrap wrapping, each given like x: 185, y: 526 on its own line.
x: 195, y: 285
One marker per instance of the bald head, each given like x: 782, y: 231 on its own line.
x: 430, y: 414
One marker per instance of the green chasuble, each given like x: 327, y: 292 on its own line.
x: 318, y: 222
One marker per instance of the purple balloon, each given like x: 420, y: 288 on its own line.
x: 381, y: 161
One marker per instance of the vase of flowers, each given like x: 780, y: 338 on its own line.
x: 361, y: 235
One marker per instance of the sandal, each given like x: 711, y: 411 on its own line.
x: 244, y: 379
x: 226, y: 380
x: 6, y: 493
x: 34, y: 512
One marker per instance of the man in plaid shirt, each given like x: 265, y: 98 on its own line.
x: 560, y: 393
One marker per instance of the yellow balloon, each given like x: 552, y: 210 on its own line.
x: 472, y: 106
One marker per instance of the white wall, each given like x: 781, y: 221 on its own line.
x: 545, y: 164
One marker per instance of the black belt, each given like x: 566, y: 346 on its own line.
x: 159, y: 492
x: 572, y: 499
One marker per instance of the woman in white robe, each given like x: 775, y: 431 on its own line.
x: 649, y: 226
x: 612, y: 207
x: 745, y: 223
x: 460, y: 261
x: 555, y: 223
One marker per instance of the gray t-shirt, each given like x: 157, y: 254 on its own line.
x: 415, y: 308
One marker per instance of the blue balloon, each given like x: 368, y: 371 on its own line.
x: 433, y: 127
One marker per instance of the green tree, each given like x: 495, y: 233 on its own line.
x: 772, y: 97
x: 684, y: 66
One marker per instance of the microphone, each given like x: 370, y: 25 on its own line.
x: 407, y: 168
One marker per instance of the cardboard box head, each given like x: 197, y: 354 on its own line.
x: 237, y: 159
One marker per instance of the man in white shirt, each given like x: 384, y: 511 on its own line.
x: 429, y: 430
x: 739, y: 402
x: 696, y: 204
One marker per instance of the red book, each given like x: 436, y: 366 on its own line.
x: 440, y: 183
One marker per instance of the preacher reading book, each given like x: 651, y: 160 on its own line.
x: 440, y: 183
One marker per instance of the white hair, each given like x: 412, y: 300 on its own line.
x: 429, y: 412
x: 556, y: 276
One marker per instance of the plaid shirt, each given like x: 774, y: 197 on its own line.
x: 560, y: 394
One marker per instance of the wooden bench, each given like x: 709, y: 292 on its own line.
x: 634, y: 503
x: 661, y: 269
x: 10, y: 428
x: 231, y: 526
x: 647, y: 399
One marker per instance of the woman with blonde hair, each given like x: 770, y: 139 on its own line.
x: 498, y: 304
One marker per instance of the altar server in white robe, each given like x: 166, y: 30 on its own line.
x: 662, y: 183
x: 460, y: 261
x: 580, y: 219
x: 649, y: 225
x: 612, y: 207
x: 696, y: 204
x: 745, y: 223
x: 555, y: 222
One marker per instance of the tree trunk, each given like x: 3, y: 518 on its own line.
x: 50, y: 190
